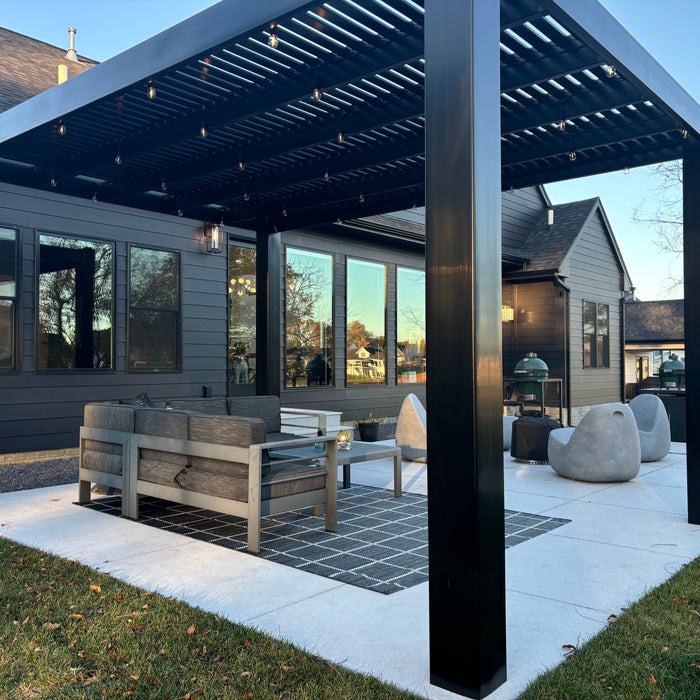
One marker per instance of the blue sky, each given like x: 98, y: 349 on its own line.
x: 668, y: 30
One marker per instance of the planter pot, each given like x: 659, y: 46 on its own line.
x: 369, y: 432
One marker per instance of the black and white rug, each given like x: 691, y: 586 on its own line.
x: 381, y: 543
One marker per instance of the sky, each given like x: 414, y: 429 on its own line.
x: 668, y: 30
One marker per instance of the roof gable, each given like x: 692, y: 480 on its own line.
x: 29, y: 66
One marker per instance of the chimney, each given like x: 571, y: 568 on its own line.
x: 62, y: 73
x: 550, y: 217
x: 71, y: 55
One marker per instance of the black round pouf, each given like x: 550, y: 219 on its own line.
x: 530, y: 438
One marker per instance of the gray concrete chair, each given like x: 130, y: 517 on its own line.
x: 411, y: 430
x: 654, y: 427
x: 508, y: 430
x: 603, y: 447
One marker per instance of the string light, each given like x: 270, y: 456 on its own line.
x: 572, y: 156
x: 273, y: 41
x: 118, y: 159
x: 626, y: 171
x: 53, y: 182
x: 316, y: 94
x: 284, y: 211
x: 246, y: 197
x: 151, y: 92
x: 611, y: 71
x: 94, y: 196
x: 241, y: 165
x: 179, y: 211
x: 341, y: 137
x: 561, y: 125
x: 684, y: 133
x: 326, y: 176
x: 361, y: 198
x: 62, y: 128
x: 164, y: 186
x: 203, y: 131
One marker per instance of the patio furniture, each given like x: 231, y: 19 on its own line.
x: 654, y: 427
x: 358, y: 452
x: 210, y: 460
x: 411, y: 430
x: 603, y: 447
x: 530, y: 438
x: 508, y: 430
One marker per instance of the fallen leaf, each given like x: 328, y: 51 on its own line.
x: 191, y: 629
x: 652, y: 679
x: 97, y: 589
x: 51, y: 625
x: 570, y: 647
x: 245, y: 674
x: 78, y: 617
x: 612, y: 618
x: 681, y: 601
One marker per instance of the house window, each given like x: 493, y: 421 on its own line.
x: 8, y: 297
x: 309, y: 319
x: 596, y: 334
x: 410, y: 326
x: 154, y: 309
x: 366, y: 313
x: 75, y: 303
x: 242, y: 291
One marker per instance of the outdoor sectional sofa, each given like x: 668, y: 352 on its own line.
x: 208, y: 453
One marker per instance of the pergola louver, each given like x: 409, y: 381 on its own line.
x: 413, y: 86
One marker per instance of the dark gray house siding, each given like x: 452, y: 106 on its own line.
x: 594, y: 274
x: 42, y: 409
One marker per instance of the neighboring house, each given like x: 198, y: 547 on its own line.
x: 653, y: 331
x: 100, y: 301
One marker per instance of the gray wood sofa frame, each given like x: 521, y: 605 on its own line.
x: 256, y: 506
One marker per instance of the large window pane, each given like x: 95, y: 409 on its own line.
x: 309, y: 318
x: 589, y: 343
x: 154, y: 309
x: 8, y: 293
x: 366, y: 361
x: 241, y: 318
x: 410, y: 326
x: 75, y: 303
x: 596, y: 334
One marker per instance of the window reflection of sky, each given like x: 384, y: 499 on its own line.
x: 367, y: 295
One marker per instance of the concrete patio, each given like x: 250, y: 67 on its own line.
x: 562, y: 586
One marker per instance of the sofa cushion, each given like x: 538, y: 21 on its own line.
x: 143, y: 400
x: 101, y: 461
x: 225, y: 430
x: 286, y: 480
x: 109, y: 417
x: 212, y: 407
x: 158, y: 472
x: 265, y: 407
x: 170, y: 424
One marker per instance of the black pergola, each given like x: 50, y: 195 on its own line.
x: 281, y: 114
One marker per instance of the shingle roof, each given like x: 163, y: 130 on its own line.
x: 657, y: 321
x: 29, y: 66
x: 546, y: 246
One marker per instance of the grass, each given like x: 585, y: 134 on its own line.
x: 651, y: 652
x: 67, y: 631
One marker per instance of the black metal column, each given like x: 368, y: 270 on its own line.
x: 464, y: 390
x: 691, y: 260
x: 268, y: 311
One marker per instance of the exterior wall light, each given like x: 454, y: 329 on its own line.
x: 214, y: 234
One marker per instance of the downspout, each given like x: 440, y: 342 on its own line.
x: 623, y: 369
x: 559, y: 282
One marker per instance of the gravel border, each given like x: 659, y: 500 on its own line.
x: 36, y: 475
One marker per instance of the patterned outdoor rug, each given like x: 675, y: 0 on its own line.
x: 381, y: 543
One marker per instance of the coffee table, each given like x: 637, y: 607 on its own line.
x: 358, y: 452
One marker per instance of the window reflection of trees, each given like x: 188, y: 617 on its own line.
x: 309, y: 347
x: 154, y: 299
x: 366, y: 343
x: 8, y: 292
x: 410, y: 303
x: 242, y: 314
x: 75, y: 304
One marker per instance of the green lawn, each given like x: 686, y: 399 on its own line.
x: 68, y: 632
x: 651, y: 652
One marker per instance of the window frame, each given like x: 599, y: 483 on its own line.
x: 334, y: 384
x: 14, y: 300
x: 177, y: 368
x: 37, y: 286
x: 385, y: 265
x: 595, y: 362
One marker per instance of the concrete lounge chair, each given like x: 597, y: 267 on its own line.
x: 654, y: 427
x: 603, y: 447
x: 411, y: 431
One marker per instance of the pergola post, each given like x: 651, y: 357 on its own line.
x: 268, y: 250
x: 464, y: 390
x: 691, y: 257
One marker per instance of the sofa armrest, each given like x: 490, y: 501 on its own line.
x: 307, y: 417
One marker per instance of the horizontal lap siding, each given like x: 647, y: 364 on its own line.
x: 43, y: 410
x: 595, y: 275
x: 355, y: 401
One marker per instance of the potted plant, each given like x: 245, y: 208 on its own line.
x: 368, y: 427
